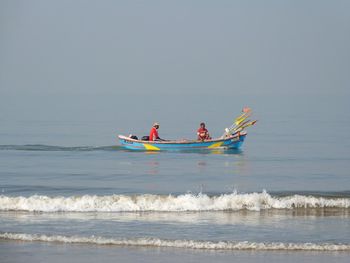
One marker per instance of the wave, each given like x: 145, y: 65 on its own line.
x: 189, y: 244
x: 42, y: 147
x: 168, y: 203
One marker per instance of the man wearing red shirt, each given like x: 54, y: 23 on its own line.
x: 203, y: 133
x: 153, y: 134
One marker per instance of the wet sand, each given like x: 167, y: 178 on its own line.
x: 35, y: 252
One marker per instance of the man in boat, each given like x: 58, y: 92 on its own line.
x: 203, y: 133
x: 153, y: 134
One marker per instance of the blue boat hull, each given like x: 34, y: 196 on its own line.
x: 232, y: 142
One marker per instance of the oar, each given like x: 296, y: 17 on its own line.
x: 233, y: 129
x: 246, y: 113
x: 240, y: 120
x: 237, y: 122
x: 245, y: 125
x: 241, y: 127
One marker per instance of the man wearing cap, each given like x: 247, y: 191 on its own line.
x: 153, y: 134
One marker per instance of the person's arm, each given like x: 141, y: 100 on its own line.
x: 159, y: 139
x: 199, y: 138
x: 207, y: 135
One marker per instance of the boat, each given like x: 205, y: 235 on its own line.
x: 231, y: 142
x: 232, y: 138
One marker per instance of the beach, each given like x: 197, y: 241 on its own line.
x: 75, y: 75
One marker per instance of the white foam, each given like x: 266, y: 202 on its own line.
x: 192, y: 244
x: 170, y: 203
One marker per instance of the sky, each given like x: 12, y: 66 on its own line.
x: 155, y: 60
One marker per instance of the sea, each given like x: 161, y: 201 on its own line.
x: 70, y: 193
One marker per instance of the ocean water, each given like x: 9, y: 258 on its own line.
x: 67, y: 189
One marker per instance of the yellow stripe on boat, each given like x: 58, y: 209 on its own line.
x: 150, y: 147
x: 215, y: 145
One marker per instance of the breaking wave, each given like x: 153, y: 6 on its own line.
x: 168, y: 203
x: 188, y: 244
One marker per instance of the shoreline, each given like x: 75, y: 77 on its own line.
x: 30, y: 252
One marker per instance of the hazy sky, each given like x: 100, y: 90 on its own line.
x: 89, y: 59
x: 174, y: 46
